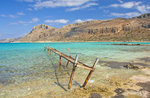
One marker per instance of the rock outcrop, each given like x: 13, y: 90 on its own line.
x: 120, y: 29
x: 144, y: 16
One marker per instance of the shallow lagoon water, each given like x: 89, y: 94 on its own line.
x: 27, y: 68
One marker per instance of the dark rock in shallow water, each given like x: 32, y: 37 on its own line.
x: 146, y: 86
x: 119, y: 96
x: 6, y: 81
x: 119, y: 65
x: 113, y: 64
x: 131, y: 66
x: 95, y: 95
x: 142, y: 64
x: 119, y: 90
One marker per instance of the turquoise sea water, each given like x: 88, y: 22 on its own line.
x: 28, y: 61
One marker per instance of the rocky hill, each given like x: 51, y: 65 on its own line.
x: 120, y: 29
x: 144, y: 16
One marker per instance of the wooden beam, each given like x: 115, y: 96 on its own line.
x: 67, y: 63
x: 59, y: 60
x: 55, y: 52
x: 76, y: 63
x: 73, y: 71
x: 90, y: 73
x: 80, y: 64
x: 50, y: 52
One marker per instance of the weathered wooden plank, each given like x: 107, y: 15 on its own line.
x: 90, y: 73
x: 80, y: 64
x: 50, y: 52
x: 76, y: 63
x: 60, y: 61
x: 67, y: 63
x: 73, y: 71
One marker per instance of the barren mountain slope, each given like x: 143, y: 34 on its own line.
x: 120, y: 29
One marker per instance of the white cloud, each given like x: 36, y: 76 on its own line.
x: 148, y: 7
x: 60, y: 3
x: 9, y: 16
x: 120, y: 1
x: 89, y: 19
x: 79, y: 20
x: 34, y: 20
x: 3, y: 15
x: 75, y: 4
x: 126, y: 4
x: 143, y: 8
x: 12, y: 16
x: 64, y: 21
x: 26, y: 0
x: 29, y: 0
x: 29, y: 9
x: 127, y: 15
x: 20, y: 13
x: 139, y: 6
x: 82, y: 7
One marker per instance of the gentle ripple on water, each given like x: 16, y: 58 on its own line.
x: 28, y: 61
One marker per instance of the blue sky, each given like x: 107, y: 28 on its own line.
x: 17, y: 17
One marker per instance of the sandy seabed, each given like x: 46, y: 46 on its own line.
x: 105, y: 82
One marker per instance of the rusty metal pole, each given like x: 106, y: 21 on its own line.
x: 73, y: 70
x: 90, y: 73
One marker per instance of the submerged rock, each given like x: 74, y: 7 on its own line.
x: 119, y: 90
x: 131, y: 66
x: 119, y: 96
x: 95, y: 95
